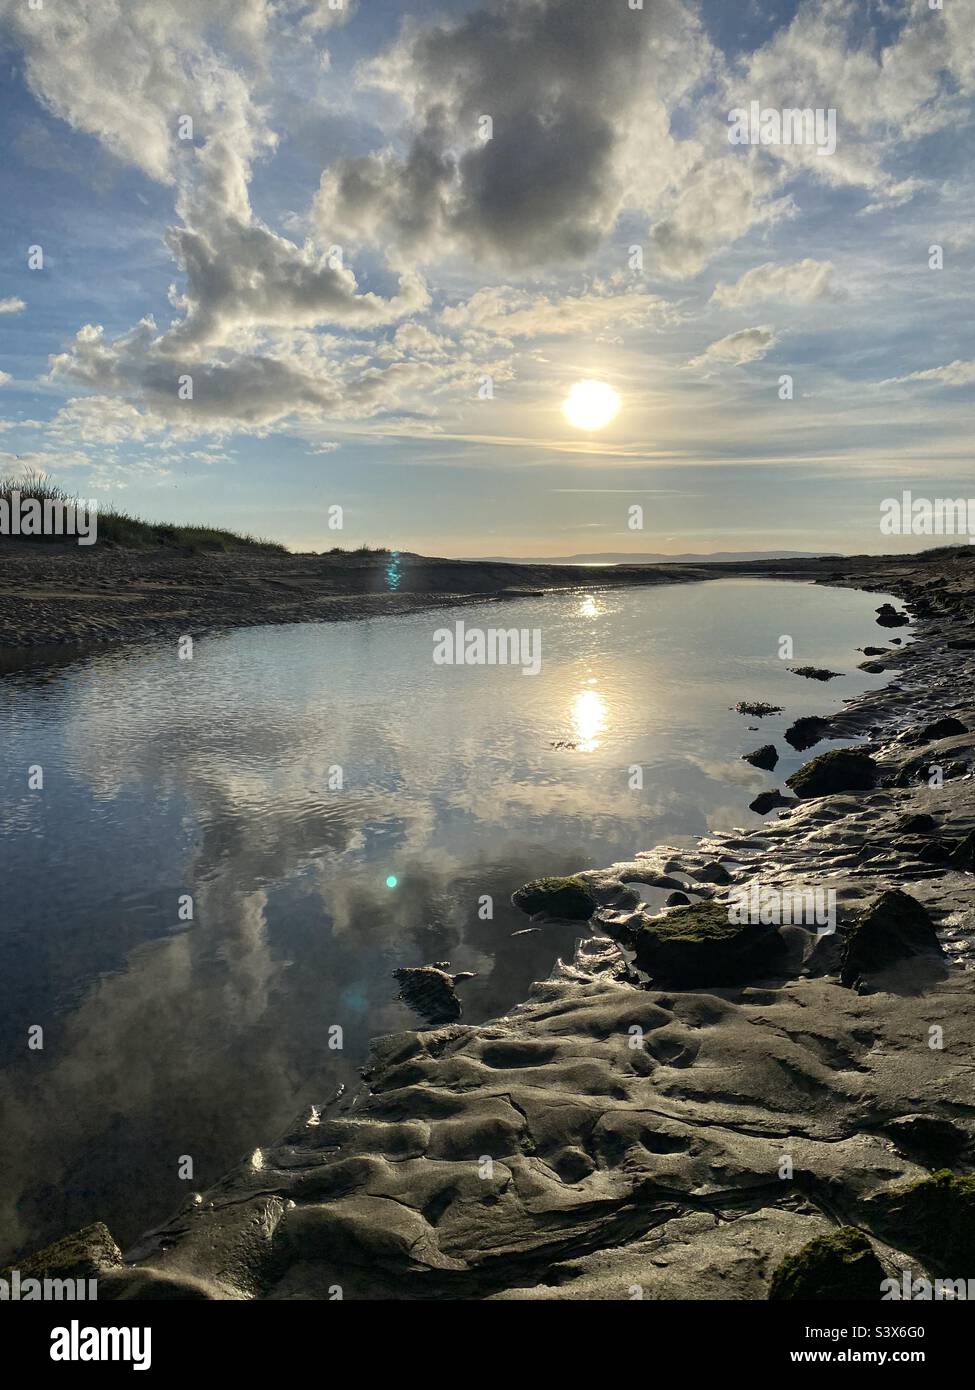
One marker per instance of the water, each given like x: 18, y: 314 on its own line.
x: 166, y: 1037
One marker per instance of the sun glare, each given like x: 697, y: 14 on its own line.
x: 590, y: 405
x: 588, y: 720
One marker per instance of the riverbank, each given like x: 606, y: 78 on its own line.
x: 65, y: 597
x: 604, y: 1136
x: 53, y: 597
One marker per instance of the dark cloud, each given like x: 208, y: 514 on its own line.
x: 563, y: 83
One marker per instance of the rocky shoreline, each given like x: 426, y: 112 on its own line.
x: 614, y: 1137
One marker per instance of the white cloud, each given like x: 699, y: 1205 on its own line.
x: 956, y: 373
x: 747, y: 345
x: 12, y: 306
x: 802, y: 282
x: 510, y: 313
x: 126, y: 73
x: 718, y: 201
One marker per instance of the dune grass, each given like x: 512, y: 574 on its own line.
x: 125, y: 529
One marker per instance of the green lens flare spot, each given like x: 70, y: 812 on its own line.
x: 392, y: 881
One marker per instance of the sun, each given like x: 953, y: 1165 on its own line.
x: 590, y: 405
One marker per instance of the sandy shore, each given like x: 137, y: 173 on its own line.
x: 63, y: 596
x: 52, y: 597
x: 609, y: 1134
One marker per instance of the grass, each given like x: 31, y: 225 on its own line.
x: 133, y: 532
x: 358, y: 550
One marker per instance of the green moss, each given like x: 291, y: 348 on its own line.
x: 700, y: 945
x: 559, y: 897
x: 841, y: 1265
x: 842, y: 770
x: 698, y: 922
x: 933, y: 1219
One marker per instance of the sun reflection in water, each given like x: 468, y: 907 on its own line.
x: 588, y: 720
x: 589, y: 608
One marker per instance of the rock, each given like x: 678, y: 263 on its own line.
x: 933, y: 1219
x: 699, y: 945
x: 917, y: 825
x: 86, y: 1254
x: 893, y: 927
x: 929, y: 1136
x: 872, y: 668
x: 815, y: 673
x: 620, y: 926
x: 765, y: 757
x: 874, y: 651
x: 941, y: 728
x: 963, y: 855
x: 758, y: 708
x: 573, y: 1164
x: 767, y: 801
x: 888, y: 616
x: 665, y: 881
x: 807, y: 731
x: 568, y: 898
x: 842, y: 770
x: 711, y: 873
x: 677, y: 900
x: 431, y: 992
x: 842, y: 1265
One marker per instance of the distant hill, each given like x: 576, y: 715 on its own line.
x: 624, y: 558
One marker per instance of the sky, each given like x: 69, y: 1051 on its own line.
x: 267, y: 258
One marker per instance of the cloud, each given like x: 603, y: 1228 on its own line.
x: 126, y: 73
x: 242, y: 276
x: 566, y: 95
x: 716, y: 202
x: 510, y: 313
x: 956, y: 373
x: 5, y: 377
x: 12, y: 306
x: 884, y: 94
x: 747, y: 345
x: 802, y: 282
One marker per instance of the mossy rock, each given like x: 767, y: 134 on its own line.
x: 83, y: 1255
x: 842, y: 1265
x: 894, y: 927
x: 568, y: 898
x: 701, y: 945
x: 933, y: 1219
x: 842, y: 770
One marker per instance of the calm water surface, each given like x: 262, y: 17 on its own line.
x: 167, y: 1037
